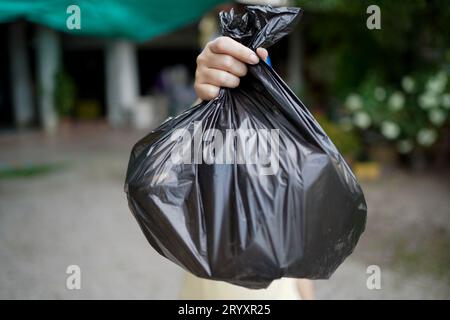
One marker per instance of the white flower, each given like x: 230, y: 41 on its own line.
x: 408, y: 84
x: 390, y: 130
x: 362, y: 120
x: 379, y: 93
x: 428, y: 100
x: 426, y: 137
x: 437, y: 117
x: 353, y: 102
x: 437, y: 83
x: 405, y: 146
x: 446, y: 100
x: 396, y: 101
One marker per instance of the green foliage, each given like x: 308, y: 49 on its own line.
x: 412, y: 114
x: 345, y: 140
x: 341, y: 52
x: 30, y: 170
x: 347, y: 61
x: 65, y: 93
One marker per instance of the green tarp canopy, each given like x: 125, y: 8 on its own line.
x: 133, y: 19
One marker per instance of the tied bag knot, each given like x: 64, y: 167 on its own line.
x: 259, y: 26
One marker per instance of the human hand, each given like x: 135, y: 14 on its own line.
x: 221, y: 64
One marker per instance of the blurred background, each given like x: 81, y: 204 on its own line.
x: 76, y: 94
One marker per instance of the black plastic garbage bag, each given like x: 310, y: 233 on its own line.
x: 247, y: 188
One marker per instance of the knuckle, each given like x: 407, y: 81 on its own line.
x: 213, y: 92
x: 206, y: 77
x: 221, y: 44
x: 200, y: 59
x: 197, y: 87
x: 210, y: 44
x: 244, y: 52
x: 201, y: 73
x: 228, y: 62
x: 223, y: 78
x: 197, y: 74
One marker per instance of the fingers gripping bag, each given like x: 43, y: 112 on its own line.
x: 247, y: 188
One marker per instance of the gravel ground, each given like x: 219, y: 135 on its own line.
x: 50, y: 221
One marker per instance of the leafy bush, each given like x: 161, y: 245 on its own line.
x: 65, y: 94
x: 346, y: 140
x: 411, y: 115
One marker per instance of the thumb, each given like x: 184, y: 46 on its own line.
x: 262, y: 53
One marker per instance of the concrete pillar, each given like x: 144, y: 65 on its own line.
x: 22, y: 96
x: 122, y: 87
x: 294, y: 77
x: 48, y: 60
